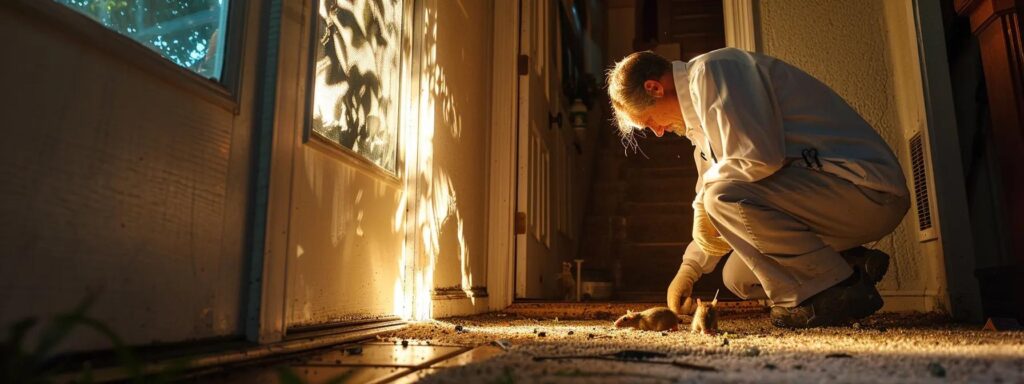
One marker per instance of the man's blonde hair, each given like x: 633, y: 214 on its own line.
x: 626, y: 88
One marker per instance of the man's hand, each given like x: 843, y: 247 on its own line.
x: 705, y: 234
x: 681, y: 289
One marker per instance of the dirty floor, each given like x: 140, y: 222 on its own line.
x: 537, y: 346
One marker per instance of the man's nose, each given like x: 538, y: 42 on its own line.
x: 658, y: 131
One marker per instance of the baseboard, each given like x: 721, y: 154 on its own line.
x: 910, y: 301
x: 459, y: 302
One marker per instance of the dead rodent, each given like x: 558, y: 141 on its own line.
x: 653, y: 319
x: 705, y: 318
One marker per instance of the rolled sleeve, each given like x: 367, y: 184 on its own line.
x: 698, y: 260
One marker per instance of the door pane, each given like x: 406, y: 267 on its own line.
x: 358, y: 59
x: 189, y: 33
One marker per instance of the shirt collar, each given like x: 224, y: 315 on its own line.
x: 681, y: 76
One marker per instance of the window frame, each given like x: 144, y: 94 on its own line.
x: 224, y: 92
x: 330, y: 146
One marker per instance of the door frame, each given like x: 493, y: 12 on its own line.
x: 503, y: 156
x: 739, y: 24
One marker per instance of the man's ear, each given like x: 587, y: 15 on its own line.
x: 654, y: 88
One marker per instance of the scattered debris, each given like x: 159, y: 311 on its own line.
x: 856, y: 325
x: 503, y: 344
x: 777, y: 353
x: 1001, y: 324
x: 936, y: 369
x: 405, y: 343
x: 631, y: 356
x: 571, y: 333
x: 459, y: 329
x: 542, y: 334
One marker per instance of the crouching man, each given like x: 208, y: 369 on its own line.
x: 792, y: 181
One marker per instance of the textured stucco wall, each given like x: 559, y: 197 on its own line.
x: 858, y: 48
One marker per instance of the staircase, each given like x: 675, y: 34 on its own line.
x: 639, y: 218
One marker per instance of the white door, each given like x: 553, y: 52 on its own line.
x: 346, y: 260
x: 543, y: 158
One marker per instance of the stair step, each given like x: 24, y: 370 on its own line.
x: 658, y: 228
x: 637, y: 173
x: 649, y: 271
x: 676, y: 189
x: 665, y: 208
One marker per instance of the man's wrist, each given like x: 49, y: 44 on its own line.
x: 694, y: 267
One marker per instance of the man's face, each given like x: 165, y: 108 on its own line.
x: 664, y: 115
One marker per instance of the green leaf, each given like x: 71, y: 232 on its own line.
x: 340, y: 378
x: 285, y: 375
x: 59, y: 328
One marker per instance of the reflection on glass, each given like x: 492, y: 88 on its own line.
x: 358, y: 58
x: 189, y: 33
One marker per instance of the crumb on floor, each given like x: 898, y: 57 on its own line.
x: 888, y: 347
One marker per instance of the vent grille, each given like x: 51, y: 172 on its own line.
x: 921, y: 196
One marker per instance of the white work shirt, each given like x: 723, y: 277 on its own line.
x: 749, y: 115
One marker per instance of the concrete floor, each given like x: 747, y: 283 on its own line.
x: 504, y: 347
x: 883, y: 348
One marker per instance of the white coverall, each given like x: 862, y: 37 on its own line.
x: 789, y: 174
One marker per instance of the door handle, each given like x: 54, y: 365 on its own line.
x: 555, y: 119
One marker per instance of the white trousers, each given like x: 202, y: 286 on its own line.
x: 786, y: 231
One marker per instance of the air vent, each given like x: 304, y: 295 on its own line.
x: 921, y: 195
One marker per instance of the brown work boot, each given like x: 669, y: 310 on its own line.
x: 872, y: 262
x: 852, y: 299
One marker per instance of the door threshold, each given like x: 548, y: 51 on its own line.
x: 201, y: 364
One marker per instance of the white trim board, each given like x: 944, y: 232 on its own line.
x: 739, y: 24
x: 502, y: 157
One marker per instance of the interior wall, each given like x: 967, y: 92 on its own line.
x: 120, y: 183
x: 866, y: 51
